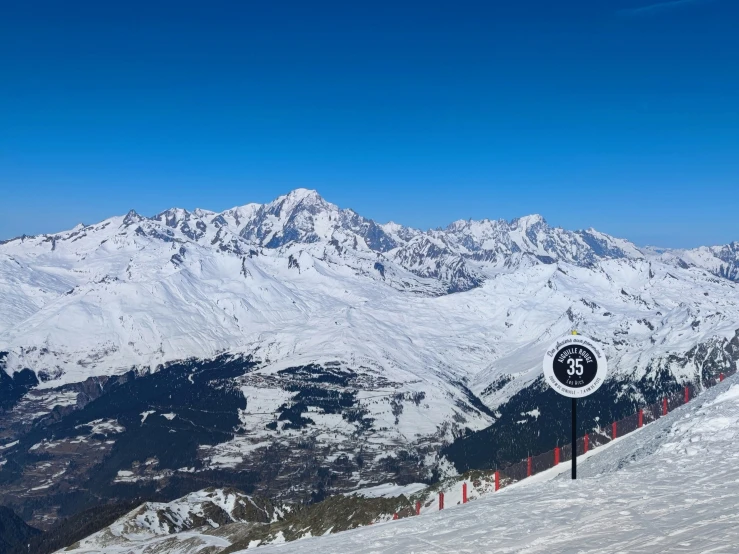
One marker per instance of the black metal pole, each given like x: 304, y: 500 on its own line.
x: 574, y: 438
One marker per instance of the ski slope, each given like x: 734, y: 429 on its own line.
x: 671, y: 487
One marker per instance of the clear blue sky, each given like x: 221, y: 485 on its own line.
x: 617, y: 114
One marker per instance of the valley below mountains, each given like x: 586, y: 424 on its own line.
x: 295, y: 350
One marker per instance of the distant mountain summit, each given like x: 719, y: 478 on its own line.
x: 307, y: 349
x: 182, y: 256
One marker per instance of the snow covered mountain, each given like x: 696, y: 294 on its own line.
x: 137, y: 291
x: 670, y: 486
x: 160, y: 527
x: 335, y: 349
x: 719, y: 260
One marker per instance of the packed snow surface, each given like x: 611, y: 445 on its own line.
x: 670, y: 487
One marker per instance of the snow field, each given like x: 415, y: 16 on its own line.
x: 670, y: 487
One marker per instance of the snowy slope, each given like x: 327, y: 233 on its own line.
x: 671, y: 487
x: 300, y: 280
x: 719, y: 260
x: 189, y: 524
x: 362, y: 348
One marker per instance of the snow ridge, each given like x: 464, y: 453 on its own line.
x: 301, y: 279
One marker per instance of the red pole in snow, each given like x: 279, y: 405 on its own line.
x: 528, y: 467
x: 497, y: 480
x: 441, y: 501
x: 464, y: 493
x: 687, y: 395
x: 418, y: 507
x: 664, y: 406
x: 641, y: 418
x: 395, y: 515
x: 556, y: 455
x: 721, y: 377
x: 587, y: 443
x: 613, y: 431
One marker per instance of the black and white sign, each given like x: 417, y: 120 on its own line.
x: 575, y: 366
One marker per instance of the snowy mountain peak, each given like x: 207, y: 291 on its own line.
x: 303, y: 326
x: 209, y: 265
x: 132, y: 217
x: 236, y: 217
x: 719, y: 260
x: 304, y: 217
x: 529, y: 221
x: 200, y: 212
x: 298, y: 198
x: 300, y: 216
x: 302, y: 194
x: 173, y: 217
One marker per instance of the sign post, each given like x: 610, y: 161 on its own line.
x: 574, y: 438
x: 575, y: 366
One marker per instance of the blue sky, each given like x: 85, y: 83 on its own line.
x: 616, y: 114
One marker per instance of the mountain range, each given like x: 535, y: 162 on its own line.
x: 296, y: 349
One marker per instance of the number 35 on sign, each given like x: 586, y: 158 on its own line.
x: 575, y: 366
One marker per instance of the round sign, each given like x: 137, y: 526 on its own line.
x: 575, y: 366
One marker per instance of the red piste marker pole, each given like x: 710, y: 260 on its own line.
x: 664, y: 406
x: 528, y: 467
x: 441, y: 501
x: 687, y: 395
x: 497, y: 480
x: 720, y: 377
x: 464, y: 493
x: 587, y: 443
x: 418, y: 507
x: 614, y: 431
x: 556, y: 455
x: 641, y: 418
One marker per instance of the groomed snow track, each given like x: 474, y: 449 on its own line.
x: 673, y: 486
